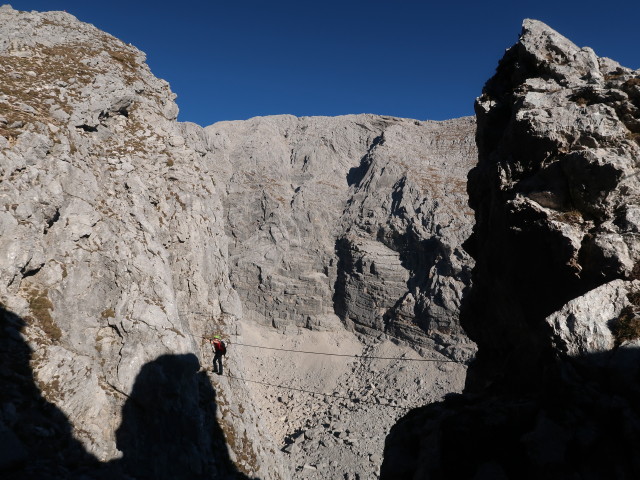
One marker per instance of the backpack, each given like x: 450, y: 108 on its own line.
x: 220, y: 347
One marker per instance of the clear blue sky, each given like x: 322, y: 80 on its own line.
x: 235, y: 59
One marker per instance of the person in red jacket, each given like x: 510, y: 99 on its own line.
x: 219, y: 349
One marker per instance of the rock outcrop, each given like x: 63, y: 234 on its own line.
x: 112, y: 233
x: 554, y: 390
x: 557, y: 175
x: 126, y: 237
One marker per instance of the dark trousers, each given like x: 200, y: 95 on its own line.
x: 217, y: 358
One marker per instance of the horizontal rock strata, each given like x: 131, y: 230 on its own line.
x: 355, y: 218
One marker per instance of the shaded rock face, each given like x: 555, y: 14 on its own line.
x: 168, y: 427
x: 409, y: 209
x: 555, y: 189
x: 553, y: 306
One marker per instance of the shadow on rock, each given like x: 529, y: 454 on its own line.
x: 36, y: 440
x: 583, y: 423
x: 169, y: 428
x: 168, y: 431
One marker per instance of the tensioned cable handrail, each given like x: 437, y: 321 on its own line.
x: 346, y: 355
x: 365, y: 357
x: 386, y: 334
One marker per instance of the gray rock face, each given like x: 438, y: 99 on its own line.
x: 582, y: 327
x: 553, y: 306
x: 286, y: 183
x: 555, y: 187
x: 125, y: 237
x: 359, y: 216
x: 404, y: 269
x: 353, y: 221
x: 112, y: 235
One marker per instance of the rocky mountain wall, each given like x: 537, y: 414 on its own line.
x: 112, y: 234
x: 126, y: 237
x: 553, y: 304
x: 557, y: 132
x: 409, y: 210
x: 326, y: 217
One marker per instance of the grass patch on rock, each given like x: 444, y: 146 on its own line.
x: 626, y: 327
x: 573, y: 217
x: 41, y: 306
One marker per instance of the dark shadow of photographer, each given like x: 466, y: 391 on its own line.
x: 169, y: 428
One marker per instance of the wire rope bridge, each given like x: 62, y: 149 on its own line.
x: 355, y: 400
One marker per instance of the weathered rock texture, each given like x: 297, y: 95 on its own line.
x: 111, y: 234
x: 355, y: 218
x: 126, y: 236
x: 403, y: 268
x: 556, y: 187
x: 554, y: 390
x: 341, y: 434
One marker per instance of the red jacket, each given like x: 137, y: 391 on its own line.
x: 219, y: 346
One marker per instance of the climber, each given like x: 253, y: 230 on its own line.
x: 219, y: 349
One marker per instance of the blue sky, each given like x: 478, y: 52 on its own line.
x: 237, y: 59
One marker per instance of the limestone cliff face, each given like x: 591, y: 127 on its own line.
x: 344, y: 224
x: 112, y: 234
x: 555, y: 285
x: 358, y: 219
x: 126, y: 236
x: 409, y: 210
